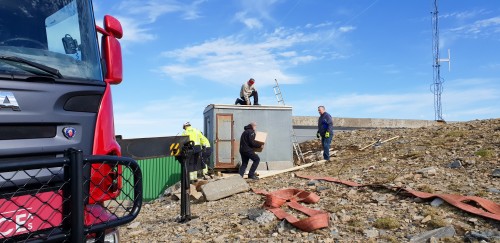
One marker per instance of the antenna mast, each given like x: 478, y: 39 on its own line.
x: 437, y: 85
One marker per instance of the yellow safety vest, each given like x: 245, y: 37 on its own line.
x: 196, y: 136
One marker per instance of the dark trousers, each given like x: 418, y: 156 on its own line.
x: 205, y: 156
x: 194, y: 164
x: 255, y: 96
x: 326, y: 146
x: 245, y: 157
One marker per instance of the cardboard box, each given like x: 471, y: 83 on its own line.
x: 260, y: 138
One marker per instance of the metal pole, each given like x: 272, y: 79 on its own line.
x: 76, y: 185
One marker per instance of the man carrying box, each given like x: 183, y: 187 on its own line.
x: 247, y: 146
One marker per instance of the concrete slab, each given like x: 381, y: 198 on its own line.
x: 224, y: 187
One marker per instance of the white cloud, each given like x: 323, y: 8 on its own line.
x: 288, y: 54
x: 136, y: 15
x: 464, y: 14
x: 492, y: 66
x: 259, y: 10
x: 191, y: 11
x: 231, y: 59
x: 461, y: 100
x: 478, y: 29
x: 134, y: 31
x: 325, y: 24
x: 346, y: 28
x: 153, y: 9
x: 251, y: 23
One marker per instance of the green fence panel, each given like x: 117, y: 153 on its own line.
x: 157, y: 175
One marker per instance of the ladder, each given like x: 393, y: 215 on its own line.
x: 295, y: 143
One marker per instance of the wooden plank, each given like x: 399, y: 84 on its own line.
x: 292, y: 169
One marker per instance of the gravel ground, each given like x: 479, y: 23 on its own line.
x: 357, y: 214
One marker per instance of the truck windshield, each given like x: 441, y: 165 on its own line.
x: 59, y: 34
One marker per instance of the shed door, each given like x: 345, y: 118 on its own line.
x: 224, y: 139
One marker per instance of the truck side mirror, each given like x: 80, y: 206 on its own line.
x: 111, y: 49
x: 113, y: 26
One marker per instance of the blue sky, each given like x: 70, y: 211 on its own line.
x: 359, y: 58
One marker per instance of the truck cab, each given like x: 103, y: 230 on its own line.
x: 57, y: 141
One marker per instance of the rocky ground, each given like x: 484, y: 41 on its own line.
x: 458, y: 158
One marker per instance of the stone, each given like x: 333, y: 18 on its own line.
x: 371, y: 233
x: 283, y: 225
x: 488, y: 236
x: 439, y: 233
x: 472, y: 220
x: 192, y: 231
x: 455, y: 164
x: 426, y: 219
x: 254, y: 213
x: 275, y: 234
x: 321, y: 188
x: 220, y: 239
x: 379, y: 198
x: 136, y: 233
x: 427, y: 171
x: 344, y: 218
x: 265, y: 218
x: 134, y: 225
x: 496, y: 173
x: 493, y: 190
x: 312, y: 182
x: 334, y: 233
x: 195, y: 194
x: 417, y: 217
x: 224, y: 187
x: 437, y: 202
x: 169, y: 191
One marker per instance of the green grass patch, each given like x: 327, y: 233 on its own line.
x: 436, y: 223
x: 456, y: 134
x: 357, y: 223
x: 386, y: 223
x: 485, y: 153
x: 389, y: 238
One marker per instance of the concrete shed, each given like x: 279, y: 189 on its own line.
x: 223, y: 125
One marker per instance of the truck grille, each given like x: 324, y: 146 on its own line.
x: 60, y: 209
x: 9, y: 132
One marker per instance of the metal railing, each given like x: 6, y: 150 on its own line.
x: 71, y: 198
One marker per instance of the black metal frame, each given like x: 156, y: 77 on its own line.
x: 73, y: 228
x: 186, y: 154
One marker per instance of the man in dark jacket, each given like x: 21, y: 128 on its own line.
x: 325, y: 131
x: 247, y: 145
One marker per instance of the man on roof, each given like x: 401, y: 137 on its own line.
x: 248, y: 90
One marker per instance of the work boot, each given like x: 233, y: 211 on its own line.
x: 236, y: 102
x: 256, y: 104
x: 254, y: 177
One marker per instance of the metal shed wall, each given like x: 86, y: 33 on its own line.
x: 276, y: 121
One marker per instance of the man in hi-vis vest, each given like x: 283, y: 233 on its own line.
x: 202, y: 151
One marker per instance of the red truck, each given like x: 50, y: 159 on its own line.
x: 61, y: 170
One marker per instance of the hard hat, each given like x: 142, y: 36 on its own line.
x: 251, y: 81
x: 187, y: 124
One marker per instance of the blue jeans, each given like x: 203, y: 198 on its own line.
x: 326, y: 147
